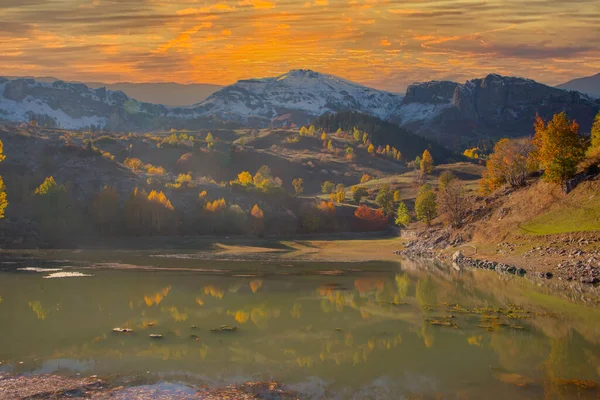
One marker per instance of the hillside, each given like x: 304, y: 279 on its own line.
x: 589, y: 85
x: 183, y: 165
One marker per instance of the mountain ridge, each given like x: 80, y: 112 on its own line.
x: 589, y: 85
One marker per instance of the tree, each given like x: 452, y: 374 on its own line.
x: 397, y: 196
x: 298, y: 185
x: 330, y: 145
x: 327, y: 187
x: 425, y: 205
x: 104, y: 210
x: 135, y: 164
x: 54, y: 211
x: 340, y: 193
x: 311, y: 130
x: 258, y: 223
x: 323, y: 136
x: 136, y: 212
x: 3, y: 200
x: 358, y: 192
x: 385, y: 200
x: 369, y: 219
x: 451, y: 202
x: 445, y: 178
x: 402, y: 215
x: 595, y: 142
x: 245, y: 178
x: 160, y: 209
x: 510, y: 163
x: 371, y: 149
x: 303, y: 131
x: 209, y: 138
x: 426, y: 162
x: 558, y: 147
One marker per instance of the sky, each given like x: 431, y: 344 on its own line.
x: 386, y: 44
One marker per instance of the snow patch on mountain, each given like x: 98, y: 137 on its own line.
x: 305, y: 91
x: 30, y: 107
x: 413, y: 112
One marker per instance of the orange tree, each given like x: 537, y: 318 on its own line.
x: 558, y: 147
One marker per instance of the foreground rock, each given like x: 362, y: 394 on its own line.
x: 47, y: 387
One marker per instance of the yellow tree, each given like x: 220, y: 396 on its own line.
x: 558, y: 147
x: 136, y: 211
x: 3, y: 200
x: 596, y: 132
x: 510, y: 164
x: 258, y: 217
x: 371, y: 149
x: 161, y: 210
x: 245, y: 178
x: 426, y: 162
x: 298, y: 185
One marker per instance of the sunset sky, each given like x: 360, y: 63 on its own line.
x: 386, y: 44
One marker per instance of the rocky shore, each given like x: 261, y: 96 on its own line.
x: 62, y: 387
x: 567, y: 258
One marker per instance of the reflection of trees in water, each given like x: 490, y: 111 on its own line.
x: 426, y: 292
x: 157, y: 298
x: 39, y: 311
x: 517, y: 350
x: 568, y: 366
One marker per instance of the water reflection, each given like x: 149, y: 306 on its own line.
x: 369, y: 329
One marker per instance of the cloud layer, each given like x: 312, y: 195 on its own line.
x: 386, y: 44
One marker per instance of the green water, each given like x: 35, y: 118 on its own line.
x: 327, y: 330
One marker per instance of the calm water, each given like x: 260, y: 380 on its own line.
x: 376, y: 330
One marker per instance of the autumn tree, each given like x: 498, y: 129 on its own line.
x: 402, y: 215
x: 161, y: 211
x: 595, y: 139
x: 135, y: 164
x: 136, y: 212
x: 298, y: 185
x: 452, y: 202
x: 3, y: 199
x: 358, y: 192
x: 54, y: 210
x: 104, y: 210
x: 365, y: 178
x: 385, y: 200
x: 445, y: 178
x: 510, y: 163
x: 327, y: 187
x: 425, y: 205
x: 426, y: 162
x: 340, y: 193
x: 397, y: 196
x: 245, y: 178
x: 371, y: 149
x: 369, y: 219
x: 558, y: 147
x: 258, y: 220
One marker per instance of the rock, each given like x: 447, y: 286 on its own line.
x: 155, y: 336
x: 122, y: 330
x: 457, y: 256
x: 225, y: 328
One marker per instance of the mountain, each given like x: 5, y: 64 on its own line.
x: 589, y: 85
x: 167, y: 93
x: 493, y: 107
x: 297, y: 96
x: 70, y: 105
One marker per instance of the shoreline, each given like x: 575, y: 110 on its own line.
x: 54, y: 386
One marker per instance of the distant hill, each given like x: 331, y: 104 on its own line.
x: 589, y: 85
x: 384, y: 133
x: 166, y: 93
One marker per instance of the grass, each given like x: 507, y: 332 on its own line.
x: 571, y: 215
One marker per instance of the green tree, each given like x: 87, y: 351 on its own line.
x: 327, y: 187
x: 358, y: 192
x: 425, y: 205
x: 558, y: 147
x: 3, y: 199
x: 340, y: 193
x: 385, y: 200
x: 298, y: 185
x: 402, y: 215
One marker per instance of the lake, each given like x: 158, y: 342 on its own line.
x: 374, y: 330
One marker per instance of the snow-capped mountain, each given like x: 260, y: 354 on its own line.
x: 296, y: 96
x: 68, y: 105
x: 493, y: 107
